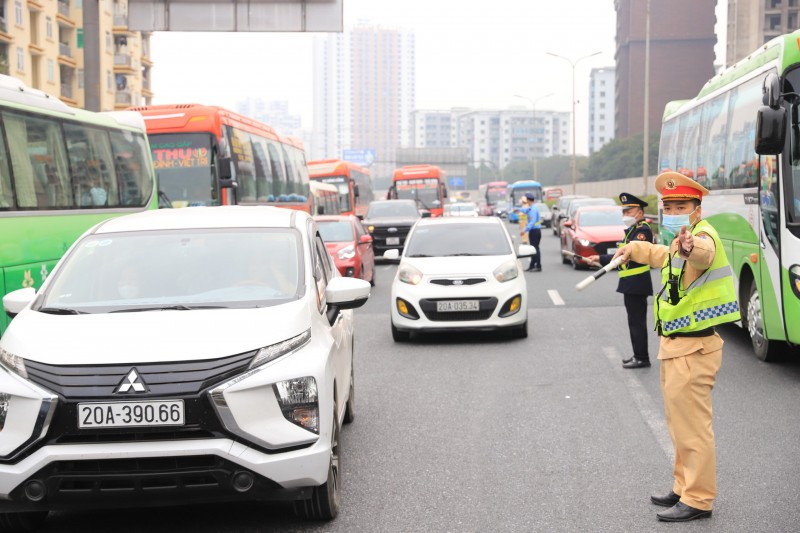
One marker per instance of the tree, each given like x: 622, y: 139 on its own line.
x: 555, y: 170
x: 622, y: 158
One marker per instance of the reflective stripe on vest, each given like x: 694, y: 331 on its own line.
x: 710, y: 300
x: 624, y: 270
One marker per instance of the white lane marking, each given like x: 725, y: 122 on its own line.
x: 555, y: 297
x: 647, y: 408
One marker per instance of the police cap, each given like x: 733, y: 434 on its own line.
x: 628, y: 200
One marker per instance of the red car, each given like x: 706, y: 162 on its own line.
x: 349, y: 244
x: 594, y: 230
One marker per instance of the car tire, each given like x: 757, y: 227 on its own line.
x: 520, y: 332
x: 325, y: 499
x: 564, y: 259
x: 350, y: 406
x: 23, y: 521
x: 372, y: 278
x: 400, y: 336
x: 753, y: 322
x: 575, y: 264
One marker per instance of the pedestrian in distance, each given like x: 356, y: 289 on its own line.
x: 533, y: 229
x: 697, y: 293
x: 634, y: 284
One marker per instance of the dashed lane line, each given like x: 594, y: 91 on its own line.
x: 555, y: 297
x: 645, y: 405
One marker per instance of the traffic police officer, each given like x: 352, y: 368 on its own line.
x: 634, y: 279
x: 697, y: 293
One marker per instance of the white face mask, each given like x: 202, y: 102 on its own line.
x: 128, y: 291
x: 628, y: 221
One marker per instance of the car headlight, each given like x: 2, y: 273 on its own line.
x: 299, y: 402
x: 370, y: 228
x: 585, y: 242
x: 507, y: 271
x: 279, y: 349
x: 348, y: 252
x: 13, y: 362
x: 409, y: 274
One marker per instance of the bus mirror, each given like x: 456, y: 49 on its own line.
x: 770, y: 130
x: 355, y: 190
x: 444, y: 192
x: 771, y: 91
x: 320, y: 209
x: 224, y: 170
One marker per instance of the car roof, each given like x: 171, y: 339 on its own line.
x: 333, y: 218
x: 231, y: 216
x: 457, y: 220
x: 581, y: 209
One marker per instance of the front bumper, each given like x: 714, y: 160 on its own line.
x: 493, y: 298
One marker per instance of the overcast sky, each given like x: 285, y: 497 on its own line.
x: 471, y: 54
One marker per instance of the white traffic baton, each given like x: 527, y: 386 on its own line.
x: 599, y: 274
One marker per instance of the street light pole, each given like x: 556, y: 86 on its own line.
x: 533, y: 105
x: 573, y: 64
x: 646, y: 136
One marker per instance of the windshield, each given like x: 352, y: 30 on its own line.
x: 441, y: 240
x: 336, y: 231
x: 464, y: 208
x: 495, y: 195
x: 517, y: 193
x: 425, y: 190
x: 183, y: 168
x: 156, y: 269
x: 392, y: 209
x: 601, y: 218
x: 573, y: 206
x: 343, y: 185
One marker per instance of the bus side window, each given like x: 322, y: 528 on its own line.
x: 263, y: 172
x: 39, y: 160
x: 278, y: 171
x: 6, y: 197
x: 134, y: 180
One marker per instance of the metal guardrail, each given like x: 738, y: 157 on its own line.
x: 64, y: 49
x: 122, y: 60
x: 123, y: 98
x: 63, y: 8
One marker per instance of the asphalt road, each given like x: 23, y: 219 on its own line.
x: 480, y: 433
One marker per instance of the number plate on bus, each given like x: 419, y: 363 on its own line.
x: 131, y: 414
x: 393, y: 241
x: 454, y: 306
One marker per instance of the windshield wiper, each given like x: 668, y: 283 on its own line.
x: 178, y: 307
x: 421, y: 255
x: 61, y: 311
x: 466, y: 254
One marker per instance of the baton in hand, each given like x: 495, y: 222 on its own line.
x: 600, y: 273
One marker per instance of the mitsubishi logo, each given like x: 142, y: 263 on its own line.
x: 131, y: 381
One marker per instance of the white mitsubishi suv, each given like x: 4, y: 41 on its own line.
x: 180, y: 355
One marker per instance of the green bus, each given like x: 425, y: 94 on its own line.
x: 754, y: 200
x: 62, y: 170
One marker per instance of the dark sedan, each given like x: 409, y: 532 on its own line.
x: 389, y: 221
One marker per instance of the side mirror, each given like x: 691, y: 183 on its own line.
x: 225, y: 173
x: 392, y: 255
x: 425, y: 214
x: 320, y: 209
x: 355, y: 190
x: 444, y: 192
x: 568, y: 224
x: 347, y: 293
x: 365, y: 239
x: 771, y: 91
x: 770, y: 130
x: 526, y: 250
x: 14, y: 302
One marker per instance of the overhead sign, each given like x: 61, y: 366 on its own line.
x: 241, y: 15
x: 365, y: 157
x: 456, y: 182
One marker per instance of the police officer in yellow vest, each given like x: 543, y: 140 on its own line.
x: 634, y: 280
x: 697, y: 293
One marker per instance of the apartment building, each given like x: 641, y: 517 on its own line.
x: 42, y: 43
x: 752, y: 23
x: 601, y: 107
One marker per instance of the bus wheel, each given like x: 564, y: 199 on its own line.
x: 765, y: 349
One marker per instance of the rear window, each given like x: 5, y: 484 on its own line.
x: 336, y: 231
x: 392, y: 209
x: 443, y: 240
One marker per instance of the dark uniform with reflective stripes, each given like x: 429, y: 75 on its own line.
x: 635, y: 283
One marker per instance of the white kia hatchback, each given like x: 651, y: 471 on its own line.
x: 180, y: 356
x: 459, y: 273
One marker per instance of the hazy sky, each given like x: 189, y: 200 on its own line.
x: 472, y: 54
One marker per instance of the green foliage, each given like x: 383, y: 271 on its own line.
x: 622, y: 158
x: 556, y: 170
x: 652, y: 204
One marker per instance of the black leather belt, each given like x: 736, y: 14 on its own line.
x: 702, y: 333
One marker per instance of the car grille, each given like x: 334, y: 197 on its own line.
x: 381, y: 233
x: 487, y: 307
x: 458, y: 281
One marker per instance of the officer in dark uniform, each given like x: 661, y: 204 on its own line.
x: 634, y: 280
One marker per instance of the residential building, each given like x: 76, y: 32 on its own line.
x: 751, y: 23
x: 41, y: 43
x: 682, y: 40
x: 364, y: 93
x: 601, y: 107
x: 275, y: 113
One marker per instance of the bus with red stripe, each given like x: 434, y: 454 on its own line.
x: 423, y: 183
x: 353, y: 181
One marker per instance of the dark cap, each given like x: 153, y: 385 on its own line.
x: 530, y: 196
x: 628, y: 200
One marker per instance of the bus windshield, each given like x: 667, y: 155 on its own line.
x: 342, y: 183
x: 183, y: 167
x: 424, y: 190
x: 495, y: 194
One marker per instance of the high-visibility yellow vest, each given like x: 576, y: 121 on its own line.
x: 709, y: 301
x: 624, y: 270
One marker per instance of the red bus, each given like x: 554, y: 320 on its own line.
x: 207, y: 155
x: 423, y: 183
x: 353, y: 182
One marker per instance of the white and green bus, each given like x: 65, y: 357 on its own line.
x: 62, y: 170
x: 754, y: 200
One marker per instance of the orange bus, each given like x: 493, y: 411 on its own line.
x: 423, y: 183
x: 353, y: 182
x: 207, y: 155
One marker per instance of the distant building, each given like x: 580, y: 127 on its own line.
x: 433, y: 128
x: 364, y: 93
x: 601, y: 107
x: 275, y: 113
x: 41, y: 43
x: 682, y: 43
x: 752, y: 23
